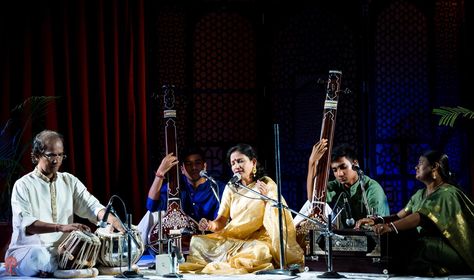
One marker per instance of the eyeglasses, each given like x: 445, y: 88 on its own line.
x: 51, y: 156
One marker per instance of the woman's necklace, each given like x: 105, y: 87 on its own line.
x: 428, y: 192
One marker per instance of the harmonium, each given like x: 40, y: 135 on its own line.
x: 360, y: 251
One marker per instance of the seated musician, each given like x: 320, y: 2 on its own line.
x: 441, y: 214
x: 246, y: 235
x: 44, y: 203
x: 199, y: 196
x: 364, y: 198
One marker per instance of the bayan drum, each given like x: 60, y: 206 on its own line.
x: 114, y: 247
x: 79, y: 250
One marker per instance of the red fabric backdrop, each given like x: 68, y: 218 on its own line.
x: 92, y: 56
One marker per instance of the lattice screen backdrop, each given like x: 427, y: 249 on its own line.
x: 395, y: 56
x: 303, y: 51
x: 220, y: 110
x: 447, y: 23
x: 404, y: 125
x: 224, y: 81
x: 167, y: 63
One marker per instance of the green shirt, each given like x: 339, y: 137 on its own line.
x: 376, y: 198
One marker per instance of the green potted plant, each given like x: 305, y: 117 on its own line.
x: 450, y: 114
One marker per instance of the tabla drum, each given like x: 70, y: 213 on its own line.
x: 79, y: 250
x: 114, y: 247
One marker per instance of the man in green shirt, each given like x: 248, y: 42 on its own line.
x: 351, y: 187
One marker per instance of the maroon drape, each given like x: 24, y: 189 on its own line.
x: 91, y: 54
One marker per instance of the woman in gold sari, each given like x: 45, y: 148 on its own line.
x: 245, y: 236
x: 443, y: 217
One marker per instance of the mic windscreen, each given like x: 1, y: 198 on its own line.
x: 103, y: 222
x: 236, y: 178
x: 347, y: 207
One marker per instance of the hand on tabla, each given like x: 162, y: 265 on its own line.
x: 73, y: 227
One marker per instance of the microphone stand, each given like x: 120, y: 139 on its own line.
x: 214, y: 190
x: 329, y: 234
x: 175, y: 257
x: 203, y: 173
x: 282, y: 206
x: 282, y: 270
x: 128, y: 273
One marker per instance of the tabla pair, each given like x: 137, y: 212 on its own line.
x: 84, y: 249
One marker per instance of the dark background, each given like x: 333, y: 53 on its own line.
x: 239, y: 67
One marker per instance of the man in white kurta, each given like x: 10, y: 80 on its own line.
x: 44, y: 202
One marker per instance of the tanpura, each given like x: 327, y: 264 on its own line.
x: 174, y: 223
x: 318, y: 201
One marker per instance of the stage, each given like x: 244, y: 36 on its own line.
x: 147, y: 260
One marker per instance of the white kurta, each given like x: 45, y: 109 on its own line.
x: 35, y: 197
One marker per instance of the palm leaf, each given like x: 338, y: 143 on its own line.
x: 450, y: 114
x: 35, y: 107
x: 11, y: 150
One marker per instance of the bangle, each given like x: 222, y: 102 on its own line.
x: 393, y: 227
x: 159, y: 175
x: 56, y: 227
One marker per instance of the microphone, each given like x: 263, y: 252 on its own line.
x: 108, y: 209
x: 357, y: 169
x: 236, y: 178
x: 347, y: 208
x: 204, y: 174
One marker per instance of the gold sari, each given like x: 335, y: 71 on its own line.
x: 250, y: 241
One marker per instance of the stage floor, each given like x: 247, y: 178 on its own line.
x: 147, y: 260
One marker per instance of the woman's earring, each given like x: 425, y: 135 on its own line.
x: 434, y: 176
x: 254, y: 171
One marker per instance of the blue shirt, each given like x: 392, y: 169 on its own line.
x: 197, y: 202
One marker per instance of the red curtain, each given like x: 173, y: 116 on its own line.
x: 91, y: 55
